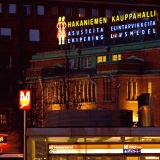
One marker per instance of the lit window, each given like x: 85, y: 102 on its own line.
x: 121, y: 12
x: 54, y: 11
x: 101, y: 59
x: 5, y: 33
x: 12, y: 8
x: 108, y: 13
x: 68, y: 11
x: 27, y: 9
x: 2, y: 119
x: 40, y: 10
x: 116, y: 57
x: 87, y: 62
x: 0, y: 7
x: 81, y: 12
x: 94, y: 12
x: 131, y: 90
x: 149, y: 87
x: 34, y: 35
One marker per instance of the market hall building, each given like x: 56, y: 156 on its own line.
x: 93, y: 126
x: 94, y: 66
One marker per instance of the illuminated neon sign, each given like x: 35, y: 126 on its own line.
x: 132, y: 29
x: 87, y: 22
x: 25, y: 99
x: 61, y: 25
x: 134, y: 16
x: 85, y: 149
x: 132, y: 149
x: 86, y: 35
x: 3, y: 139
x: 93, y: 29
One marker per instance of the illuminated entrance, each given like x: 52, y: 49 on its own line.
x: 91, y: 147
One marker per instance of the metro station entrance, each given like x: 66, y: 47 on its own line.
x: 44, y: 146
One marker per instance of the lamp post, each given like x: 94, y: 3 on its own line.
x: 24, y: 136
x: 24, y: 104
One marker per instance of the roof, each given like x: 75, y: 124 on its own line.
x: 96, y: 131
x: 133, y: 59
x: 99, y: 50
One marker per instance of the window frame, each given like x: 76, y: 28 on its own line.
x: 121, y: 12
x: 87, y: 62
x: 27, y: 8
x: 149, y: 87
x: 110, y: 13
x: 75, y: 65
x: 81, y: 12
x: 103, y: 59
x: 12, y: 8
x: 95, y: 12
x: 107, y: 90
x: 34, y: 37
x: 1, y: 9
x: 116, y: 57
x: 3, y: 119
x: 132, y: 90
x: 5, y: 33
x: 68, y: 11
x: 39, y: 11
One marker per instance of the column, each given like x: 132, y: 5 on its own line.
x: 55, y: 92
x: 79, y: 92
x: 75, y: 92
x: 87, y: 88
x: 91, y: 85
x: 83, y: 91
x: 134, y: 90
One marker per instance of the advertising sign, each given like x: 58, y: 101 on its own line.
x: 85, y: 149
x: 133, y: 149
x: 101, y: 28
x: 3, y: 139
x: 141, y: 148
x: 25, y: 100
x: 103, y: 148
